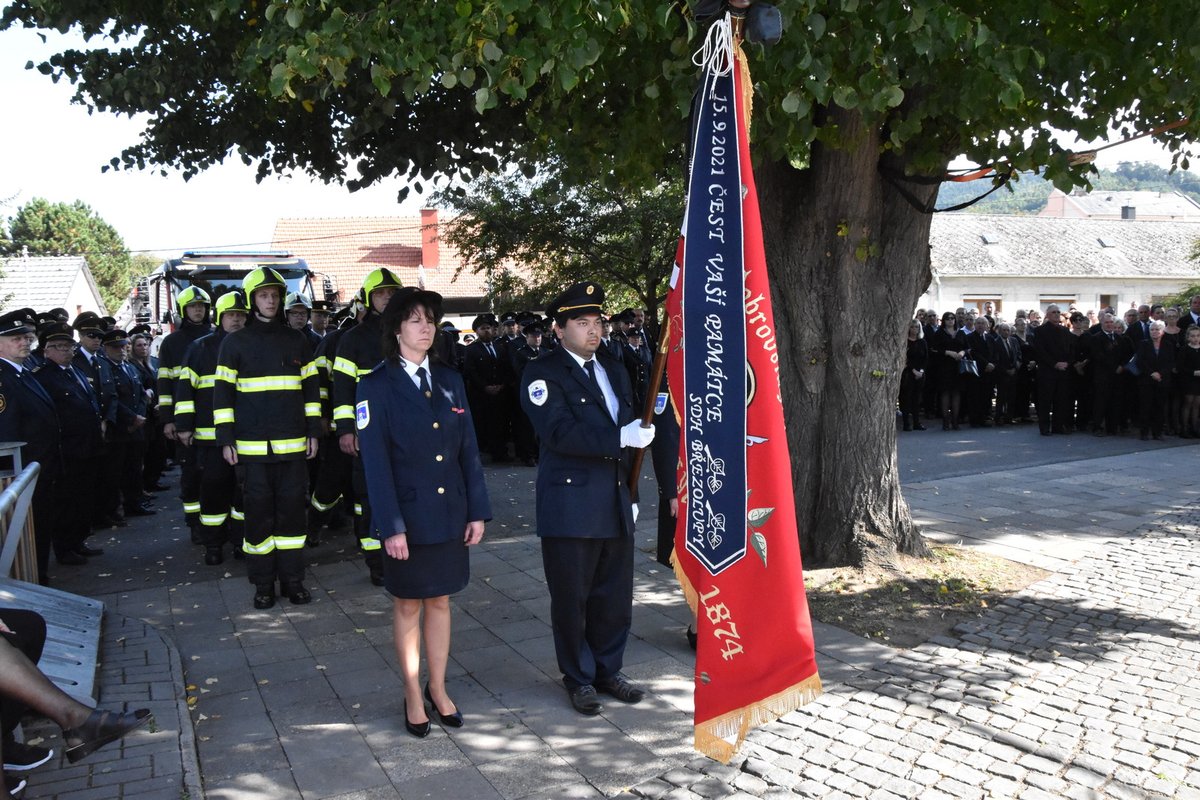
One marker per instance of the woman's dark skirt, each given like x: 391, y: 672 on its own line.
x: 431, y: 570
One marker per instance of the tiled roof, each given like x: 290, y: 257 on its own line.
x: 41, y: 282
x: 350, y: 247
x: 1053, y: 246
x: 1158, y: 205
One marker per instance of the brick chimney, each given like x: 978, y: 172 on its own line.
x: 429, y: 238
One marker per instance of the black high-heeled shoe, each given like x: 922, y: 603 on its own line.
x: 454, y: 720
x: 417, y: 729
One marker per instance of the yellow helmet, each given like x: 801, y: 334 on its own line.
x: 381, y: 278
x: 190, y: 295
x: 261, y: 278
x: 230, y: 301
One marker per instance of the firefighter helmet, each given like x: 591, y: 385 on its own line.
x: 382, y: 278
x: 261, y: 278
x: 297, y: 299
x: 230, y: 301
x: 190, y: 295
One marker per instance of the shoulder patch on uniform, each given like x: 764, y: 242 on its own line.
x: 3, y: 404
x: 538, y: 392
x: 362, y: 415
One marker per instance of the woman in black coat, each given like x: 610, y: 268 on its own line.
x: 1155, y: 365
x: 427, y: 493
x: 912, y: 380
x: 947, y: 349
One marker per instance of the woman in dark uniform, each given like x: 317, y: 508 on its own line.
x: 947, y: 349
x: 428, y: 498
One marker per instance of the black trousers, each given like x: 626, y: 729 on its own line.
x: 1054, y: 399
x: 333, y: 484
x: 275, y: 494
x: 131, y: 473
x: 372, y: 548
x: 591, y: 604
x: 189, y: 482
x: 29, y: 636
x: 73, y: 506
x: 220, y: 498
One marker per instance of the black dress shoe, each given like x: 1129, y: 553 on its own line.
x: 85, y: 550
x: 264, y: 596
x: 454, y: 720
x: 71, y: 558
x: 101, y: 728
x: 297, y: 594
x: 585, y: 701
x: 621, y: 688
x: 417, y: 729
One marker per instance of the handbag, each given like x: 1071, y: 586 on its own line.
x: 1132, y: 367
x: 968, y: 366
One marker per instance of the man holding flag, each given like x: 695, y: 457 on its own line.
x: 581, y: 405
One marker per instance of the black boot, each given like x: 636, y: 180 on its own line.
x: 213, y: 556
x: 264, y: 595
x: 374, y: 561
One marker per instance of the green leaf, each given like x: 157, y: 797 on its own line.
x: 651, y: 91
x: 294, y: 17
x: 483, y: 99
x: 449, y: 80
x: 846, y: 97
x: 463, y: 8
x: 492, y: 51
x: 816, y: 23
x: 892, y: 96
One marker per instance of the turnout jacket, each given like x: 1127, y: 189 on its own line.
x: 265, y: 396
x: 358, y: 352
x: 196, y: 386
x: 419, y: 455
x: 326, y: 354
x: 170, y: 363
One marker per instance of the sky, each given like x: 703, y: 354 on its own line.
x: 50, y: 148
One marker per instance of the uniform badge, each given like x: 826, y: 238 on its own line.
x: 3, y: 404
x: 538, y: 392
x: 660, y: 403
x: 362, y: 415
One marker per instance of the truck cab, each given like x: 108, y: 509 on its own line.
x: 216, y: 272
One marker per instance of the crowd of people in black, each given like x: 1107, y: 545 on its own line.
x: 1109, y: 374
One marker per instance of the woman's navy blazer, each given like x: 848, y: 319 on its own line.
x: 419, y: 454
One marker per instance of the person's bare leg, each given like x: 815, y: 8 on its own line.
x: 406, y: 630
x: 437, y: 651
x: 21, y: 679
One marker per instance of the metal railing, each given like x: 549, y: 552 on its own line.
x: 18, y: 551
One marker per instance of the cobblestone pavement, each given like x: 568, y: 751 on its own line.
x: 1084, y: 686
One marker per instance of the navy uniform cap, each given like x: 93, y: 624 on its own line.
x: 116, y: 336
x: 55, y: 331
x: 508, y: 317
x: 88, y: 321
x: 532, y: 327
x: 21, y: 321
x: 322, y: 305
x: 483, y: 319
x: 582, y: 298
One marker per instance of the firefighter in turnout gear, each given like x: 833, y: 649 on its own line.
x: 334, y: 483
x: 193, y: 303
x: 359, y: 352
x: 220, y: 501
x: 267, y: 412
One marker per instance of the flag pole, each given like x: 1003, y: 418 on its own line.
x: 656, y: 373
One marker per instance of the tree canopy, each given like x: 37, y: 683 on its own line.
x: 557, y: 231
x: 456, y: 88
x: 58, y: 229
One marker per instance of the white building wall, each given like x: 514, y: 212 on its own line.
x: 81, y: 298
x: 1015, y: 293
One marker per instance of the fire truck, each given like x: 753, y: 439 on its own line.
x: 217, y: 272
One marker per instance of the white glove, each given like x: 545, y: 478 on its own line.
x: 634, y: 435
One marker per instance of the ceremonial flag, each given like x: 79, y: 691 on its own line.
x: 737, y: 553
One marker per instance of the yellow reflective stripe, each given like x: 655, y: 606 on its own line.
x: 290, y: 542
x: 283, y: 446
x: 309, y: 370
x: 226, y: 374
x: 191, y: 508
x: 203, y: 381
x: 324, y: 393
x: 213, y: 520
x: 272, y: 383
x: 370, y: 544
x: 261, y: 549
x: 164, y: 373
x: 358, y: 509
x: 166, y: 400
x: 312, y: 409
x: 236, y: 514
x: 321, y: 363
x: 185, y: 407
x: 261, y: 447
x: 222, y: 415
x: 188, y: 375
x: 206, y: 434
x: 343, y: 412
x: 346, y: 367
x: 247, y: 448
x: 319, y: 506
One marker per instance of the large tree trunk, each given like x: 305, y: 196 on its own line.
x: 848, y: 257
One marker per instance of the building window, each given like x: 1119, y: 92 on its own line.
x: 1063, y: 301
x: 978, y: 302
x: 1106, y: 301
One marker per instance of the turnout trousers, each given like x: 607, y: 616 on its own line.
x: 220, y: 498
x: 275, y: 497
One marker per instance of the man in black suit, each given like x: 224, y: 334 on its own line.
x: 27, y: 415
x: 1054, y: 348
x: 487, y: 374
x: 1006, y: 350
x: 580, y: 403
x: 1110, y: 352
x: 979, y: 387
x: 1192, y: 317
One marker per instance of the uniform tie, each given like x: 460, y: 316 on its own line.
x: 423, y: 378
